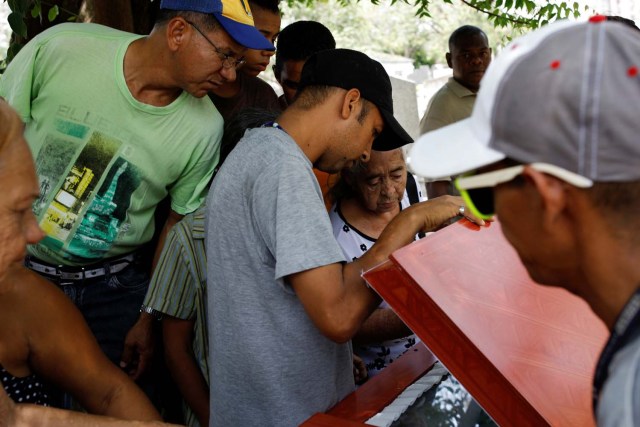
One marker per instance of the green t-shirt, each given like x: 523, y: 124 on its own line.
x: 104, y: 160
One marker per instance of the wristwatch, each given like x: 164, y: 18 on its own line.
x: 153, y: 312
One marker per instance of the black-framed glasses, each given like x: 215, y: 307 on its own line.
x: 228, y: 61
x: 477, y: 190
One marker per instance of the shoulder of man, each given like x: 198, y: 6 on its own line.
x: 620, y: 401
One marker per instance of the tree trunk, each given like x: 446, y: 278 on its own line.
x: 135, y: 16
x: 112, y: 13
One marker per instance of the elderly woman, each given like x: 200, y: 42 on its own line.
x: 367, y: 197
x: 35, y: 347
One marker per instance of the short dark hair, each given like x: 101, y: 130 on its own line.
x: 300, y: 40
x: 311, y: 96
x: 620, y: 199
x: 464, y: 32
x: 364, y: 112
x: 205, y: 21
x: 270, y: 5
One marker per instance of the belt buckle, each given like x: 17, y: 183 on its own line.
x: 65, y: 279
x: 58, y: 274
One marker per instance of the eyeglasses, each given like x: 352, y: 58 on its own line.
x: 228, y: 61
x: 477, y: 190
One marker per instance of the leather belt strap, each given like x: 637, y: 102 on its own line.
x: 79, y: 273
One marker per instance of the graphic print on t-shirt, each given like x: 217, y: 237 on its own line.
x: 81, y: 208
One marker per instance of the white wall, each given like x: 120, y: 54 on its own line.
x: 5, y: 30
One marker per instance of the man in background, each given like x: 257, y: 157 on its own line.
x: 297, y: 42
x: 469, y: 56
x: 247, y: 90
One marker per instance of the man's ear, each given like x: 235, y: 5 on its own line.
x: 350, y: 103
x: 448, y: 57
x: 552, y: 194
x: 176, y: 33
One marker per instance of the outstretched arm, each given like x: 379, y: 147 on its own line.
x: 63, y: 350
x: 26, y: 415
x: 382, y: 325
x: 335, y: 296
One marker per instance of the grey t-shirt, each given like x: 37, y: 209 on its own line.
x: 619, y: 404
x: 266, y: 220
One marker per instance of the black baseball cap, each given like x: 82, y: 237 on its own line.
x: 350, y: 69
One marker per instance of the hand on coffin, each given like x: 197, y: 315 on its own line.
x: 442, y: 211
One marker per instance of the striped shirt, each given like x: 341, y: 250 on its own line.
x: 178, y: 286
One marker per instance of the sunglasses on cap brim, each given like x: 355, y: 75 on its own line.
x: 477, y: 190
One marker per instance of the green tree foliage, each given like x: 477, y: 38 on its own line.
x: 29, y: 17
x: 393, y: 27
x: 39, y: 11
x: 529, y: 14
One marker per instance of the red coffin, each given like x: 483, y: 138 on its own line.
x: 525, y: 352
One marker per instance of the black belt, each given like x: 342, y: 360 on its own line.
x: 62, y: 272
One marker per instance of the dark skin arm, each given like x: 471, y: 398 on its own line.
x: 27, y: 415
x: 382, y: 325
x: 63, y: 350
x: 139, y: 345
x: 335, y: 296
x: 185, y: 371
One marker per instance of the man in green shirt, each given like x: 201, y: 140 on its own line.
x: 116, y: 123
x: 469, y: 56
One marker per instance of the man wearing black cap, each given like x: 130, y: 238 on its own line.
x: 297, y: 42
x: 282, y: 302
x: 116, y: 123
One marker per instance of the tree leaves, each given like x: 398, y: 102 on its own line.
x: 36, y: 10
x: 17, y: 24
x: 53, y: 13
x: 516, y: 14
x: 20, y: 9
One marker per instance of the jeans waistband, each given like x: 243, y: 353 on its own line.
x: 63, y: 272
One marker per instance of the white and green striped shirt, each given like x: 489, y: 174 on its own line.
x: 178, y: 286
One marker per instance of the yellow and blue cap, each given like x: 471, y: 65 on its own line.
x: 234, y: 16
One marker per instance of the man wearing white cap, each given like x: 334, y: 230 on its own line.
x: 117, y: 122
x: 552, y: 148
